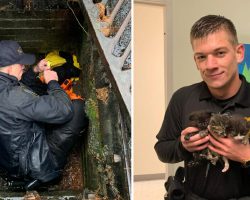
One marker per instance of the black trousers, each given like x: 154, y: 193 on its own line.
x: 62, y: 138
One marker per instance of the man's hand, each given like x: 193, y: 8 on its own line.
x: 196, y: 142
x: 42, y: 66
x: 49, y: 76
x: 229, y: 147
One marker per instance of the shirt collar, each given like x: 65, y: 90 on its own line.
x: 242, y: 97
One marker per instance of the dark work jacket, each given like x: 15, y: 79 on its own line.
x: 216, y: 185
x: 23, y: 146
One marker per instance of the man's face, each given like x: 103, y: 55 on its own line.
x: 17, y: 71
x: 217, y: 59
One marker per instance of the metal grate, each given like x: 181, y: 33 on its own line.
x: 123, y: 42
x: 113, y: 33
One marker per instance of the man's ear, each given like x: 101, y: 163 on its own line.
x: 240, y: 52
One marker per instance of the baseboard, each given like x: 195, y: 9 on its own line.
x: 148, y: 177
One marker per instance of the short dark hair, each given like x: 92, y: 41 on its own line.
x: 210, y: 24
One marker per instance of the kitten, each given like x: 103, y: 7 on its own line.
x: 222, y: 125
x: 199, y: 119
x: 225, y: 125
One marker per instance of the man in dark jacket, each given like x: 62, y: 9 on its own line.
x: 36, y: 132
x: 217, y: 53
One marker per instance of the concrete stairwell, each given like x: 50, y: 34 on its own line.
x: 99, y: 33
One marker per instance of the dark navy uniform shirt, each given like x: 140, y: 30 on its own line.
x: 216, y: 185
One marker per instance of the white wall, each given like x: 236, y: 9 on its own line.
x: 149, y: 86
